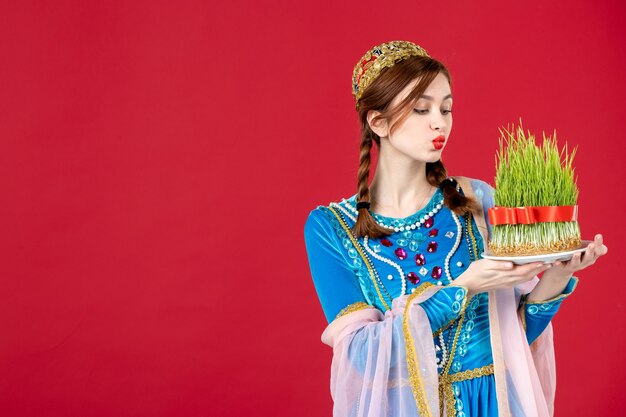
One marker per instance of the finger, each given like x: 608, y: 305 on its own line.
x: 594, y: 253
x: 532, y: 268
x: 501, y: 265
x: 590, y: 253
x: 600, y: 249
x: 585, y: 260
x: 598, y: 239
x: 528, y: 274
x: 575, y: 261
x: 542, y: 267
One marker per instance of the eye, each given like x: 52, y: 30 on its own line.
x: 421, y: 111
x: 446, y: 111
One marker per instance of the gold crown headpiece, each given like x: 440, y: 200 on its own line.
x: 379, y: 57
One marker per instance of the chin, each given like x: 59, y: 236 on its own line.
x: 434, y: 156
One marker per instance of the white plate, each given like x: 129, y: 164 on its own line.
x: 546, y: 258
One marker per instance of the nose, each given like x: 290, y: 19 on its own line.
x: 437, y: 122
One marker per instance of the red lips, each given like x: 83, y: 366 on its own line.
x: 438, y: 142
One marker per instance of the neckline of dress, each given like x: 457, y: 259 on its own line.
x: 436, y: 198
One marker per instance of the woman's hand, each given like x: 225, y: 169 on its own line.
x: 554, y: 281
x: 580, y: 260
x: 486, y: 274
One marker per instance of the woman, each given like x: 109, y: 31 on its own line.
x: 419, y: 323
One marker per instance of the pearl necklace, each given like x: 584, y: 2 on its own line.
x: 413, y: 226
x: 343, y: 210
x: 457, y: 242
x: 444, y: 351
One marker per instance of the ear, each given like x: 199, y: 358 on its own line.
x: 379, y: 126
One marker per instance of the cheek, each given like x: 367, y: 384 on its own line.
x: 415, y: 125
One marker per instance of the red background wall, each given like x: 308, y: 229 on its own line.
x: 159, y: 160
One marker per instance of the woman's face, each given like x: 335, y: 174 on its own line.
x: 423, y: 134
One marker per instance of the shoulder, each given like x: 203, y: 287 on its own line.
x: 476, y: 183
x: 325, y: 217
x: 317, y: 219
x: 480, y: 188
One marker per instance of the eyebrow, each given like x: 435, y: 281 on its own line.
x: 431, y: 98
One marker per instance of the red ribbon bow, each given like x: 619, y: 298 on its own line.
x: 533, y: 214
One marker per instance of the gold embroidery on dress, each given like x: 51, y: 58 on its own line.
x: 446, y: 392
x: 471, y: 233
x: 524, y: 302
x: 558, y: 297
x: 360, y: 251
x: 446, y: 389
x: 445, y: 379
x: 417, y: 385
x: 359, y: 305
x: 469, y: 374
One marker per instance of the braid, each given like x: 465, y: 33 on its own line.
x: 453, y: 199
x: 365, y: 224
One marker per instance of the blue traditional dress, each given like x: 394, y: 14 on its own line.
x: 430, y: 247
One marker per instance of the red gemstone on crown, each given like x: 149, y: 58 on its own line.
x: 436, y: 273
x: 386, y: 242
x: 420, y: 259
x: 413, y: 277
x: 433, y: 233
x: 400, y: 253
x: 428, y: 222
x: 432, y: 247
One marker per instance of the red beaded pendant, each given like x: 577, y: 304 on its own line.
x: 433, y: 233
x: 420, y: 259
x: 428, y: 222
x: 432, y: 247
x: 386, y: 242
x: 436, y: 273
x: 400, y: 253
x: 413, y: 277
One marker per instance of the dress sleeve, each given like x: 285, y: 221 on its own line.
x: 335, y: 282
x: 537, y: 315
x: 445, y: 306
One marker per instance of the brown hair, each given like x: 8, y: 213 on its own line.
x: 378, y: 96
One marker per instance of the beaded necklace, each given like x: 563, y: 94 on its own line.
x: 399, y: 225
x: 351, y: 212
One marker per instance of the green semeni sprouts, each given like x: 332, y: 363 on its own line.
x: 531, y: 175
